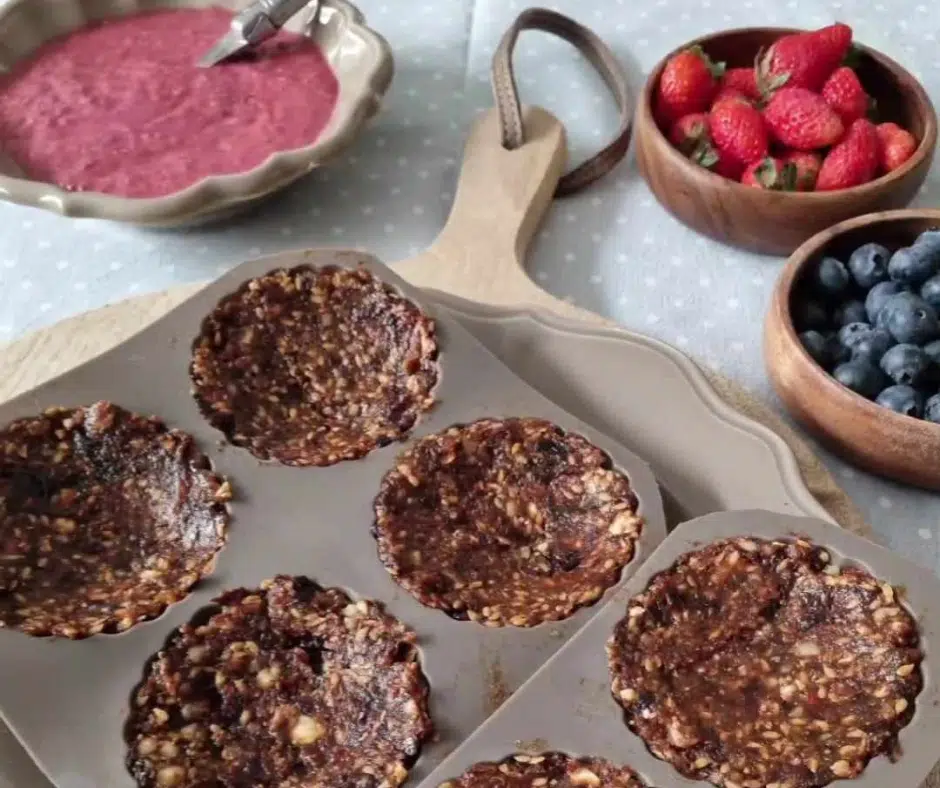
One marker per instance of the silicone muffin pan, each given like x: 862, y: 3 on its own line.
x: 70, y: 699
x: 568, y: 705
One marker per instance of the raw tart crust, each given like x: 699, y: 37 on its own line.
x: 312, y: 366
x: 288, y: 686
x: 506, y: 521
x: 548, y: 770
x: 755, y: 663
x: 107, y: 517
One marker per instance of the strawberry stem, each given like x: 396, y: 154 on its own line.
x: 716, y: 68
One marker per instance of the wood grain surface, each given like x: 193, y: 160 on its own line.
x: 777, y: 222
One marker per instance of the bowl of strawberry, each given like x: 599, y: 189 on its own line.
x: 762, y: 137
x: 852, y: 341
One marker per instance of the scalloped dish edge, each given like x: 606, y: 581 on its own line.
x: 362, y: 86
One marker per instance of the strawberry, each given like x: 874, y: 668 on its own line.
x: 845, y: 94
x: 766, y: 173
x: 688, y: 84
x: 738, y: 132
x: 803, y: 60
x: 689, y: 132
x: 801, y: 119
x: 805, y: 169
x: 895, y: 146
x: 743, y: 80
x: 711, y: 158
x: 853, y: 161
x: 730, y: 94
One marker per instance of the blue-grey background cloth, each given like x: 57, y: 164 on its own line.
x: 612, y: 249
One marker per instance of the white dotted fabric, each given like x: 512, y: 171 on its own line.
x: 612, y: 249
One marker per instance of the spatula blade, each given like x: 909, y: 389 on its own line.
x: 230, y: 44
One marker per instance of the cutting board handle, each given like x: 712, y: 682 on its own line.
x: 512, y: 168
x: 502, y: 196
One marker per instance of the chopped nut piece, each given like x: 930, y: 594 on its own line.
x: 841, y: 769
x: 552, y: 770
x: 313, y: 366
x: 468, y: 529
x: 170, y: 776
x: 351, y: 710
x: 584, y: 776
x: 90, y: 499
x: 798, y: 675
x: 306, y: 730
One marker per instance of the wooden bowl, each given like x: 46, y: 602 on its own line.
x: 868, y: 435
x: 777, y: 222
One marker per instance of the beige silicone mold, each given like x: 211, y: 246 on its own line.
x: 69, y: 700
x: 359, y: 56
x: 567, y: 705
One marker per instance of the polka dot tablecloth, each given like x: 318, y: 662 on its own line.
x: 612, y: 249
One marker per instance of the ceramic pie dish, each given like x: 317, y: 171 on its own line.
x: 360, y: 58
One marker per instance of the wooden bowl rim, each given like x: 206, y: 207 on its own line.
x: 922, y: 98
x: 780, y: 302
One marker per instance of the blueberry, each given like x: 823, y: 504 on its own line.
x: 809, y: 315
x: 869, y: 265
x: 849, y: 335
x: 872, y: 346
x: 902, y: 399
x: 929, y: 239
x: 932, y: 409
x: 932, y: 351
x: 837, y: 351
x: 817, y: 346
x: 830, y: 278
x: 861, y: 377
x: 850, y: 312
x: 930, y: 291
x: 909, y: 319
x: 913, y: 265
x: 877, y: 297
x: 907, y: 364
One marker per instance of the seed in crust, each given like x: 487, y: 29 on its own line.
x: 508, y: 521
x: 754, y: 663
x: 290, y: 685
x: 106, y: 518
x: 312, y: 366
x: 551, y: 770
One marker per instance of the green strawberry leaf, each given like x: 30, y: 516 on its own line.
x: 788, y: 177
x: 767, y: 175
x: 705, y: 156
x: 717, y: 68
x: 853, y: 57
x: 767, y: 83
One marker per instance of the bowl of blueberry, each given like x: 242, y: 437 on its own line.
x: 852, y: 342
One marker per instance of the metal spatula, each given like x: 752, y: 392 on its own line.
x: 257, y: 23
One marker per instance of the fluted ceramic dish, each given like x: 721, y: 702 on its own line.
x: 360, y: 58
